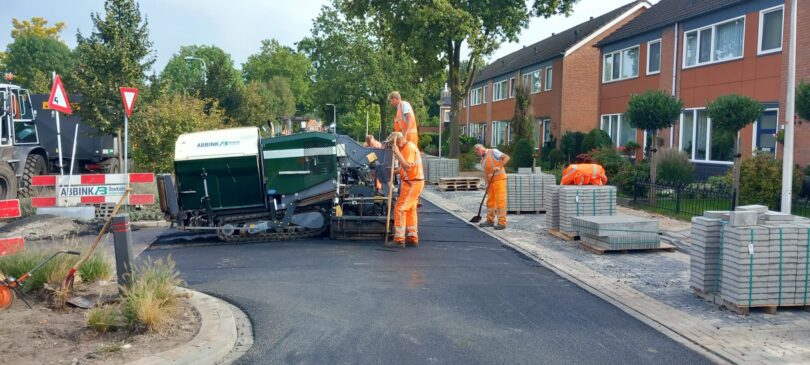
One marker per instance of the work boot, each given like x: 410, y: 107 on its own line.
x: 412, y: 243
x: 486, y: 224
x: 500, y: 227
x: 394, y: 244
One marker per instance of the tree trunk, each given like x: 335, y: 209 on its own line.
x: 456, y: 97
x: 653, y: 165
x: 735, y: 189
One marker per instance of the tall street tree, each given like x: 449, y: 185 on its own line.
x: 37, y: 26
x: 32, y: 58
x: 206, y: 72
x: 266, y: 101
x: 356, y: 66
x: 434, y: 32
x: 276, y: 60
x: 116, y: 53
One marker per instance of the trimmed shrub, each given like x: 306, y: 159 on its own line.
x: 761, y: 180
x: 628, y: 174
x: 610, y: 159
x: 556, y: 158
x: 595, y: 139
x: 522, y: 154
x: 467, y: 161
x: 571, y: 145
x: 674, y: 167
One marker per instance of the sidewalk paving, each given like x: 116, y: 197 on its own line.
x: 654, y: 287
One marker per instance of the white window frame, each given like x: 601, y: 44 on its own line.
x: 500, y: 87
x: 650, y: 43
x: 511, y: 88
x: 713, y: 27
x: 494, y: 134
x: 475, y: 97
x: 546, y: 81
x: 694, y: 137
x: 762, y: 13
x: 484, y: 94
x: 604, y: 80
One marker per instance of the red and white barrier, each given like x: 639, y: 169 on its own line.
x: 91, y: 189
x: 11, y: 245
x: 10, y: 209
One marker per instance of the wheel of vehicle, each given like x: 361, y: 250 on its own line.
x: 112, y: 166
x: 34, y: 165
x: 8, y: 183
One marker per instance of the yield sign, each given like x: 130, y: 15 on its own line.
x: 128, y: 95
x: 58, y: 100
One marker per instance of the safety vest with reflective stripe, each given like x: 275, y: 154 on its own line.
x: 401, y: 125
x: 411, y: 154
x: 584, y: 174
x: 489, y: 163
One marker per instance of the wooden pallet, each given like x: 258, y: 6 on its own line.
x: 601, y: 250
x: 767, y: 308
x: 459, y: 183
x: 562, y: 235
x: 519, y: 212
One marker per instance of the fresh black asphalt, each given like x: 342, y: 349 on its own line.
x: 460, y: 298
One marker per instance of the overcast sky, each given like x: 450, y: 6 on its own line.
x: 238, y: 26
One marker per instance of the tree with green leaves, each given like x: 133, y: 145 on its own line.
x: 116, y: 53
x: 216, y: 79
x: 732, y: 113
x: 32, y: 58
x: 653, y: 111
x: 37, y: 26
x: 266, y: 101
x: 522, y: 123
x: 162, y: 121
x: 434, y: 33
x: 276, y: 60
x: 356, y: 66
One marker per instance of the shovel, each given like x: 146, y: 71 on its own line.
x: 477, y: 218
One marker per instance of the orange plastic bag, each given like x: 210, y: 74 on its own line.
x: 584, y: 174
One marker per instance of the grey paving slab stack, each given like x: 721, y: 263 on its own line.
x: 751, y: 257
x: 526, y: 192
x: 704, y: 252
x: 584, y: 200
x: 618, y: 232
x: 437, y: 168
x: 552, y: 204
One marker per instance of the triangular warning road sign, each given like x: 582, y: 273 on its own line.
x: 128, y: 95
x: 58, y: 100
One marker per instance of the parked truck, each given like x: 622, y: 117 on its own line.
x: 28, y: 143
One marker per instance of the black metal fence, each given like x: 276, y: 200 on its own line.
x: 689, y: 200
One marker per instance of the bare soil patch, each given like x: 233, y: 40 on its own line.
x: 46, y: 336
x: 49, y: 227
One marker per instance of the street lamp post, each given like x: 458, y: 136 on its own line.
x: 205, y: 69
x: 443, y: 96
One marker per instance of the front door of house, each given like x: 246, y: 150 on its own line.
x: 766, y: 131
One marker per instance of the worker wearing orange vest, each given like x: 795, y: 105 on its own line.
x: 405, y: 119
x: 493, y: 162
x: 373, y: 143
x: 584, y: 174
x: 412, y: 177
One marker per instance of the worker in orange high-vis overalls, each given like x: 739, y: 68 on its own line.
x: 412, y: 178
x: 493, y: 162
x: 405, y: 118
x: 373, y: 143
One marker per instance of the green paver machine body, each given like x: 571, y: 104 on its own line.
x: 245, y: 187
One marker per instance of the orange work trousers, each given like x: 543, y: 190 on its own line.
x: 405, y: 217
x: 496, y: 202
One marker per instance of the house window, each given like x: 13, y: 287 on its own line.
x: 512, y: 87
x: 475, y: 96
x: 702, y: 141
x: 446, y: 116
x: 499, y: 133
x: 499, y: 90
x: 542, y: 131
x: 484, y: 94
x: 478, y: 131
x: 770, y: 29
x: 621, y: 65
x: 549, y: 75
x: 654, y: 57
x: 618, y: 129
x: 715, y: 43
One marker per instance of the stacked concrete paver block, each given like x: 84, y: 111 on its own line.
x: 586, y: 200
x: 526, y: 192
x: 618, y: 232
x: 436, y: 168
x: 552, y: 204
x: 761, y: 258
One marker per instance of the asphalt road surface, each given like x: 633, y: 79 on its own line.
x: 460, y: 298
